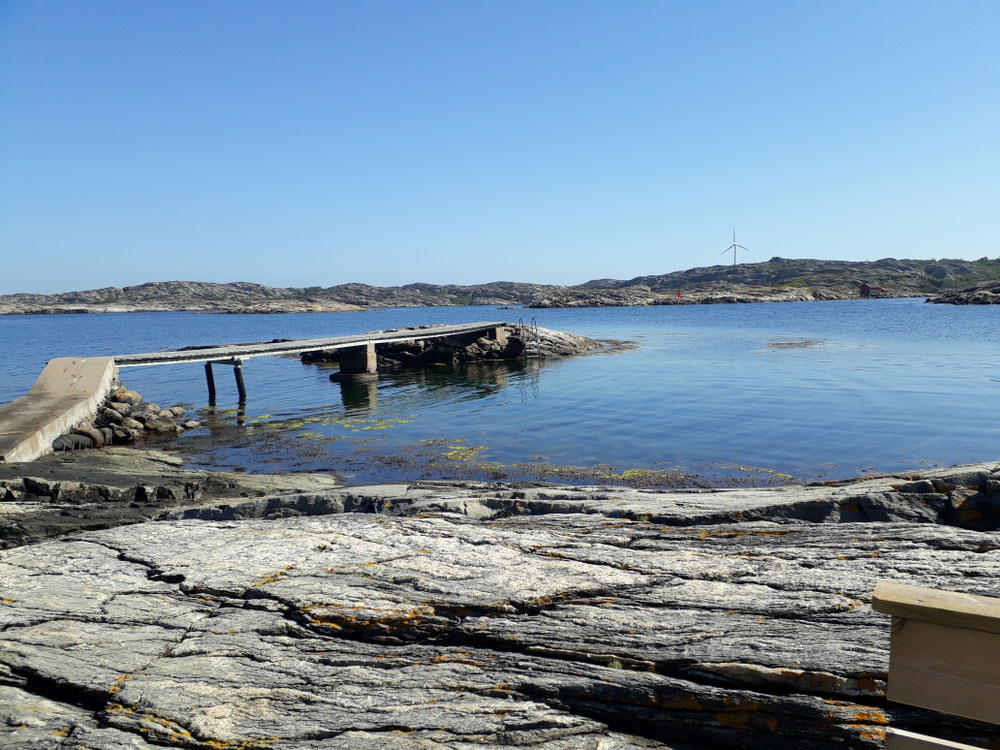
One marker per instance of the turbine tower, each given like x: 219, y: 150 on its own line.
x: 734, y: 246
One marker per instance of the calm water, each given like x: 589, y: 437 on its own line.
x: 720, y: 392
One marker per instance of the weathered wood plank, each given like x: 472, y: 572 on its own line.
x: 955, y: 670
x: 264, y: 349
x: 900, y: 739
x: 941, y: 607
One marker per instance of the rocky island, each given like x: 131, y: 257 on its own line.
x: 776, y: 280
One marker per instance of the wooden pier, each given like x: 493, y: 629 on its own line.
x: 70, y: 389
x: 357, y: 352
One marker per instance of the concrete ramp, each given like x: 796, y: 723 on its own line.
x: 68, y: 391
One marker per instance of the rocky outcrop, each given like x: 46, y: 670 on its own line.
x: 60, y: 493
x: 776, y: 280
x: 516, y: 341
x: 983, y: 294
x: 475, y: 616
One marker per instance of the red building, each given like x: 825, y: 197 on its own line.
x: 867, y: 290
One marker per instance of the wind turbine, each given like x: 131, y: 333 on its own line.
x: 734, y: 246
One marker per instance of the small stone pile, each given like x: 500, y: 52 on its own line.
x: 123, y: 419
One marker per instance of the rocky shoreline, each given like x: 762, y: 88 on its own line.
x: 472, y: 615
x: 123, y: 419
x: 775, y: 280
x: 982, y: 294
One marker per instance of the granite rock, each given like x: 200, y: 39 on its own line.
x: 448, y: 615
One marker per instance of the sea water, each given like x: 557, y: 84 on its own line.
x: 710, y: 394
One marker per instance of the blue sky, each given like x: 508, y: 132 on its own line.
x: 467, y: 141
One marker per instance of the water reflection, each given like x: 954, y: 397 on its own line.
x: 358, y: 393
x: 441, y: 383
x: 214, y: 417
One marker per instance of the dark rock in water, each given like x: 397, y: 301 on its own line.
x: 72, y: 442
x: 161, y: 424
x: 145, y: 411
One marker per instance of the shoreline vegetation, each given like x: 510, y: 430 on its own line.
x: 776, y: 280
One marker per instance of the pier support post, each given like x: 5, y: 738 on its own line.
x: 497, y: 334
x: 210, y: 379
x: 358, y: 360
x: 238, y: 372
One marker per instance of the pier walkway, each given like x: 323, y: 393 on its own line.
x: 70, y: 389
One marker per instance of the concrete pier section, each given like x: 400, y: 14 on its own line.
x: 68, y: 391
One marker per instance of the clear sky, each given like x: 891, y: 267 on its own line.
x: 455, y: 141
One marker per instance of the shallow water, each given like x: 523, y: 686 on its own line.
x: 713, y: 393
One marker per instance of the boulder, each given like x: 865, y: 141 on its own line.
x: 161, y: 424
x: 121, y: 407
x: 123, y: 435
x: 110, y: 416
x: 72, y: 442
x: 177, y: 411
x: 90, y: 431
x: 132, y: 424
x: 190, y: 424
x: 128, y: 397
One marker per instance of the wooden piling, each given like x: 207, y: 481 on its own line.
x: 210, y: 379
x: 238, y: 372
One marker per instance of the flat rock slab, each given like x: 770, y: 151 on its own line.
x: 477, y: 617
x: 96, y: 489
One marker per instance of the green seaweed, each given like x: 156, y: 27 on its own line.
x: 459, y: 452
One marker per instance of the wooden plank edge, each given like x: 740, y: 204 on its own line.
x: 940, y: 607
x: 900, y: 739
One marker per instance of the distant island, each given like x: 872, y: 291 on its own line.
x: 776, y: 280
